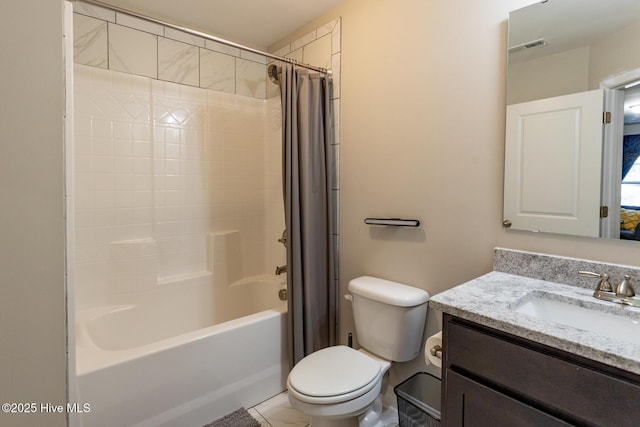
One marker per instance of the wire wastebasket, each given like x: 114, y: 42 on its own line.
x: 419, y: 401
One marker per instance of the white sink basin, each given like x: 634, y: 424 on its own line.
x: 622, y: 325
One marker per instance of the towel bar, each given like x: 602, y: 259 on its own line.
x: 393, y: 221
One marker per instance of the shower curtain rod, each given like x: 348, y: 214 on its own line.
x: 205, y: 36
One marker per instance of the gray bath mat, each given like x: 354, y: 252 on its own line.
x: 238, y: 418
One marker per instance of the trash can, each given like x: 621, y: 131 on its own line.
x: 419, y: 401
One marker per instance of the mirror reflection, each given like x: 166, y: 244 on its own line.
x: 573, y: 119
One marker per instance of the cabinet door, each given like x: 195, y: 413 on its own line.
x: 553, y: 158
x: 470, y: 404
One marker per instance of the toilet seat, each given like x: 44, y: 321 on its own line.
x: 332, y: 375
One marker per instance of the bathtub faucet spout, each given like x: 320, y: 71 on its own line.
x: 281, y: 269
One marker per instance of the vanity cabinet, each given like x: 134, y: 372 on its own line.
x: 491, y: 378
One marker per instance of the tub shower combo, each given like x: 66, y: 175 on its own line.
x: 177, y: 224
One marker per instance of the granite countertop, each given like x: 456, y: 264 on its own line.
x: 489, y: 300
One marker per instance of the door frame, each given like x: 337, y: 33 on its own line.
x: 614, y: 93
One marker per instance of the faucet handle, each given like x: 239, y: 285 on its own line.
x: 624, y: 289
x: 603, y: 284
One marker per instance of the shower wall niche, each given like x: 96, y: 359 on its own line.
x: 177, y: 155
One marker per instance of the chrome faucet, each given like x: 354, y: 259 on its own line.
x: 281, y: 269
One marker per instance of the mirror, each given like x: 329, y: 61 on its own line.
x: 570, y: 61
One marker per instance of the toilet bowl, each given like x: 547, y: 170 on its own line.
x: 341, y: 387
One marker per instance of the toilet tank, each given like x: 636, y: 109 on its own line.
x: 389, y: 317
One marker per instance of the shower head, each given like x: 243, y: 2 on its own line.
x: 272, y: 72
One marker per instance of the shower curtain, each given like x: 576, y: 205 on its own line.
x: 307, y: 136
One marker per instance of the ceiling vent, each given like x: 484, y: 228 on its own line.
x: 527, y: 45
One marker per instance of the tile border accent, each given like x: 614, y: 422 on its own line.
x: 261, y: 88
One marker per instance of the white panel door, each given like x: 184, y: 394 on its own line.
x: 553, y: 161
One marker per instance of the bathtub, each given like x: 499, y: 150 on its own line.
x: 183, y: 354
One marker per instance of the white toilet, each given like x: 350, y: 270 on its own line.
x: 339, y: 386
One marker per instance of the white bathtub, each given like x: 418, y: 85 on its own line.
x: 182, y: 355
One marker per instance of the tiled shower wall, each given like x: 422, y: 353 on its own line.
x: 172, y: 180
x: 159, y: 167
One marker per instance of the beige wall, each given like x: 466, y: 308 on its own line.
x: 552, y: 75
x: 616, y: 54
x: 575, y: 70
x: 32, y: 302
x: 423, y: 85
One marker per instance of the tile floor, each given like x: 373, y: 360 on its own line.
x: 277, y: 412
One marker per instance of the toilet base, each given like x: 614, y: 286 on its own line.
x: 371, y: 417
x: 328, y: 422
x: 346, y: 414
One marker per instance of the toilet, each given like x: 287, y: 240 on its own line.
x: 339, y: 386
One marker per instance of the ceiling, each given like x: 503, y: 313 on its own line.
x: 256, y: 23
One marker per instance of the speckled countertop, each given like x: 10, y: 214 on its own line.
x: 490, y: 300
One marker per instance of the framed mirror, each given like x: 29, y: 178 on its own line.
x: 573, y: 119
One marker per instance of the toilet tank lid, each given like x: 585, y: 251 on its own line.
x: 388, y: 292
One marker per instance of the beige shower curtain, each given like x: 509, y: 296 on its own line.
x: 307, y: 136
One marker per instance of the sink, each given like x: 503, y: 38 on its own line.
x: 612, y: 322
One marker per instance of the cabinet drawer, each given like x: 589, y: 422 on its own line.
x: 543, y: 379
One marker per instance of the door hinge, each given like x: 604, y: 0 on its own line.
x: 604, y: 211
x: 606, y: 117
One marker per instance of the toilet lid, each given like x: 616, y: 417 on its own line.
x: 333, y: 371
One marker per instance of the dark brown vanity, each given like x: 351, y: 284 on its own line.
x: 492, y: 378
x: 528, y: 344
